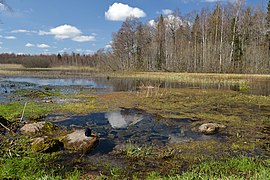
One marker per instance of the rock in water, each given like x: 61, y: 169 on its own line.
x: 210, y: 128
x: 88, y: 132
x: 77, y: 141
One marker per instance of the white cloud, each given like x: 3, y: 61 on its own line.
x: 65, y: 32
x: 68, y: 32
x: 171, y: 21
x: 108, y: 46
x: 22, y: 31
x: 152, y: 23
x: 119, y: 12
x: 10, y: 37
x: 83, y: 38
x: 167, y: 11
x: 29, y: 45
x: 62, y: 32
x: 43, y: 46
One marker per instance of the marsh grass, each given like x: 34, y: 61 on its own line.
x: 194, y: 78
x: 135, y: 151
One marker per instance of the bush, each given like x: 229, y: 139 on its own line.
x: 35, y: 62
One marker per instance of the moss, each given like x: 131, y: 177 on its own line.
x: 46, y: 144
x: 49, y: 127
x: 86, y: 105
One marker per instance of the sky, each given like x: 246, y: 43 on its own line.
x: 80, y: 26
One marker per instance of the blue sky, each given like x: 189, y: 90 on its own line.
x: 81, y: 26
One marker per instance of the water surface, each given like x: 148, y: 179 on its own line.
x: 132, y: 126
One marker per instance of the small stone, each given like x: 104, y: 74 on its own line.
x: 210, y: 128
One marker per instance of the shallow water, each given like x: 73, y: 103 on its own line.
x: 104, y: 85
x: 132, y: 126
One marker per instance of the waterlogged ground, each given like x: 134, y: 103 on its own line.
x: 148, y: 128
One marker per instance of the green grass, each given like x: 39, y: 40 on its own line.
x: 17, y: 161
x: 233, y: 168
x: 33, y: 110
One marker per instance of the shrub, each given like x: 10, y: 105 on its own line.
x: 35, y: 62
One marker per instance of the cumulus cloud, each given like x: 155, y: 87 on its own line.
x: 29, y: 45
x: 83, y: 38
x: 171, y: 21
x: 152, y: 23
x: 167, y: 11
x: 63, y: 32
x: 10, y: 37
x: 43, y: 46
x: 119, y: 12
x: 68, y: 32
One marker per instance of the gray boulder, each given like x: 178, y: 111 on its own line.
x: 77, y: 141
x: 210, y: 128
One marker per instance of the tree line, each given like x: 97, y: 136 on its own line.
x: 230, y: 38
x: 45, y: 61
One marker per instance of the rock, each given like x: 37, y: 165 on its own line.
x: 77, y: 141
x: 210, y: 128
x: 46, y: 145
x: 38, y: 127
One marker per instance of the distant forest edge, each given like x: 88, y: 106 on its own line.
x: 230, y: 38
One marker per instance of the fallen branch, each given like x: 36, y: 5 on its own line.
x: 23, y: 111
x: 5, y: 127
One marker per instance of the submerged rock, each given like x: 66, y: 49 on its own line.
x: 46, y: 145
x: 38, y: 127
x: 210, y: 128
x: 77, y: 141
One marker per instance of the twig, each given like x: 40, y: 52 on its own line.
x: 23, y: 111
x: 5, y: 127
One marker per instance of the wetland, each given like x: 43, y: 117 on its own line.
x: 147, y: 126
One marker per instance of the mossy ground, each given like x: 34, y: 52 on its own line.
x: 247, y: 118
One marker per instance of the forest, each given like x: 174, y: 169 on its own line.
x: 230, y: 38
